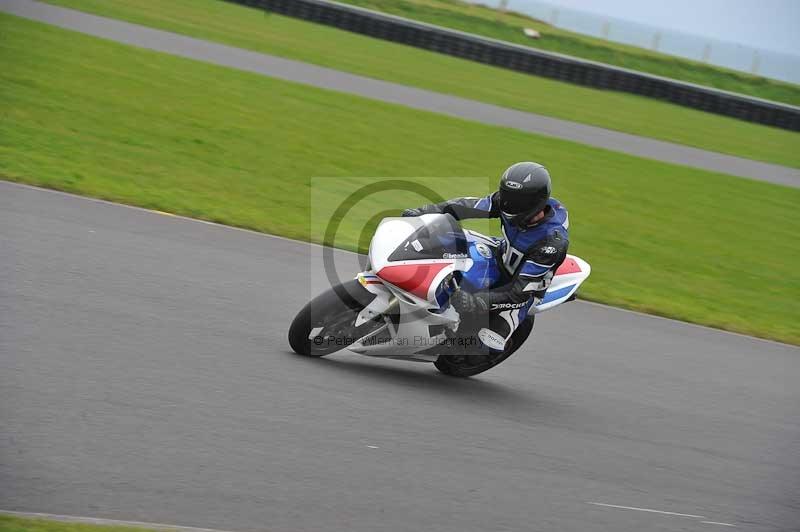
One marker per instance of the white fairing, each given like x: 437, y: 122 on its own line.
x: 390, y: 233
x: 412, y: 333
x: 393, y: 234
x: 492, y: 339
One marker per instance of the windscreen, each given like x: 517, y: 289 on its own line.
x: 437, y: 237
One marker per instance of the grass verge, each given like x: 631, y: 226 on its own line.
x: 253, y: 29
x: 10, y: 523
x: 489, y: 22
x: 102, y: 119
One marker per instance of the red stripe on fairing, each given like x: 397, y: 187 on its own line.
x: 568, y: 266
x: 415, y: 278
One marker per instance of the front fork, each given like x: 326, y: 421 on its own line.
x: 386, y: 302
x: 382, y: 301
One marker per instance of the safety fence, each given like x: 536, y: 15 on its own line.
x: 532, y: 61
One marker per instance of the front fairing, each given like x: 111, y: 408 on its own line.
x: 427, y: 237
x: 420, y: 255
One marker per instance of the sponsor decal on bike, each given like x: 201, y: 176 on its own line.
x: 454, y: 255
x: 492, y: 339
x: 497, y: 306
x: 484, y: 250
x: 369, y: 279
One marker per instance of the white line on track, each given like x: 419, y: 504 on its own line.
x: 102, y: 521
x: 268, y: 235
x: 650, y: 510
x: 660, y: 512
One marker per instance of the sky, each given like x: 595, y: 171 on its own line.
x: 770, y: 24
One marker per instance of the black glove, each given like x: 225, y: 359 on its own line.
x: 464, y: 302
x: 412, y: 212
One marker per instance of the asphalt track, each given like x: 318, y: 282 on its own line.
x: 390, y: 92
x: 145, y: 376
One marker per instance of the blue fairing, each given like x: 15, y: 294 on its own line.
x: 485, y: 272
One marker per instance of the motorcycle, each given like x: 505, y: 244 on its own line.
x: 399, y: 306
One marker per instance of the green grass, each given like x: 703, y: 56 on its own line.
x: 106, y: 120
x: 483, y: 20
x: 253, y: 29
x: 10, y: 523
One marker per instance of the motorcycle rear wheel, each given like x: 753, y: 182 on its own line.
x: 333, y: 312
x: 467, y: 365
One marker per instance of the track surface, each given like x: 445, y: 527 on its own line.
x: 390, y: 92
x: 144, y: 375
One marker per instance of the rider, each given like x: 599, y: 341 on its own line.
x: 535, y: 240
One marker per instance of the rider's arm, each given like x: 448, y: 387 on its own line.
x: 534, y: 276
x: 461, y: 208
x: 541, y: 262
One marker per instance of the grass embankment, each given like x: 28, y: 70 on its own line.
x: 252, y: 29
x: 490, y: 22
x: 10, y: 523
x: 102, y: 119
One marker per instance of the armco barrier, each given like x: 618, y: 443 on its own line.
x: 532, y: 61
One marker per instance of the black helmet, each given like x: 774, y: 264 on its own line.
x: 524, y: 191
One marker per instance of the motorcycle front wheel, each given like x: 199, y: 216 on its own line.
x: 327, y: 323
x: 467, y: 365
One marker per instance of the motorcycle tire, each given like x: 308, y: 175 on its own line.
x: 468, y: 365
x: 335, y: 312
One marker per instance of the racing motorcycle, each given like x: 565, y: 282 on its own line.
x: 399, y: 306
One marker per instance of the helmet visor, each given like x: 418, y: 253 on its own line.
x: 513, y: 202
